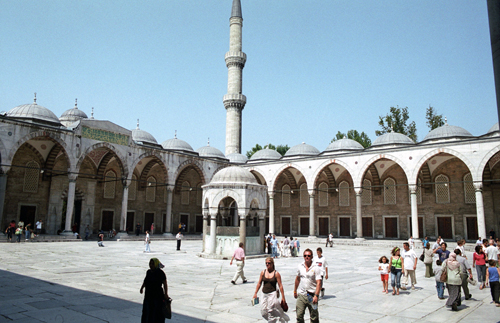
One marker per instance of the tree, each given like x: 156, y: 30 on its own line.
x: 362, y: 137
x: 397, y: 120
x: 282, y: 149
x: 433, y: 120
x: 254, y: 150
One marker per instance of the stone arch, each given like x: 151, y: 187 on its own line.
x: 3, y: 155
x: 142, y: 178
x: 324, y: 165
x: 150, y: 153
x: 182, y: 170
x: 412, y: 179
x: 483, y: 165
x: 222, y: 194
x: 358, y: 181
x: 79, y: 194
x: 258, y: 176
x: 122, y: 162
x: 285, y: 169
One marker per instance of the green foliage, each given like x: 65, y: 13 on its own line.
x: 433, y: 120
x: 397, y: 120
x: 362, y: 137
x: 254, y: 150
x: 282, y: 149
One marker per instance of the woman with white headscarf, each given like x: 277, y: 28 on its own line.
x: 453, y: 281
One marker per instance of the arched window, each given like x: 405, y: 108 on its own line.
x: 151, y: 189
x: 304, y: 195
x: 31, y: 177
x: 344, y: 194
x: 285, y: 195
x: 389, y: 191
x: 469, y: 191
x: 442, y: 189
x: 323, y: 194
x: 185, y: 193
x: 366, y: 193
x: 109, y: 184
x: 199, y: 194
x: 132, y: 189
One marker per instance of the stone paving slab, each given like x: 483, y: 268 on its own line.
x: 80, y: 282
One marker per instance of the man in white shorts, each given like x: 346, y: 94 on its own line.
x: 320, y: 261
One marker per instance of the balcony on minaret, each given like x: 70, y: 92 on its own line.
x: 234, y: 100
x: 235, y: 58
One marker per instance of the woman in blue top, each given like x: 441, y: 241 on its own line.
x: 493, y: 274
x: 396, y: 267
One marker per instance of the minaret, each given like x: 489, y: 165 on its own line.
x: 234, y: 101
x: 494, y: 19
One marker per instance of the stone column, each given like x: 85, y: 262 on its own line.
x: 271, y: 212
x: 3, y: 186
x: 213, y: 232
x: 71, y: 202
x: 205, y: 227
x: 359, y: 214
x: 494, y: 19
x: 481, y: 222
x: 123, y: 217
x: 414, y: 211
x: 262, y: 227
x: 243, y: 228
x: 312, y: 220
x: 168, y: 228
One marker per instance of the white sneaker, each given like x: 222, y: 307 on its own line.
x: 413, y: 287
x: 322, y: 293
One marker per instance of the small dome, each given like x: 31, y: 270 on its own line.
x: 72, y: 115
x: 494, y: 128
x: 237, y: 158
x: 176, y: 144
x: 266, y: 153
x: 447, y: 131
x: 33, y: 111
x: 392, y: 138
x: 302, y: 149
x: 234, y: 174
x: 344, y: 144
x: 207, y: 151
x: 139, y: 135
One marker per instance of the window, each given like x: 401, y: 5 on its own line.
x: 31, y: 177
x: 109, y: 184
x: 344, y: 194
x: 185, y: 193
x: 285, y: 195
x: 132, y: 189
x: 151, y: 189
x: 442, y: 189
x: 366, y: 194
x: 323, y: 194
x: 389, y: 191
x: 469, y: 191
x: 199, y: 194
x: 304, y: 195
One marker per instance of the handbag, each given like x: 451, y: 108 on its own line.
x: 422, y: 256
x: 284, y: 305
x: 166, y: 308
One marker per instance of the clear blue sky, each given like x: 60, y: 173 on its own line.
x: 313, y: 68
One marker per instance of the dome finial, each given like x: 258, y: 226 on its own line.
x: 445, y: 121
x: 392, y: 128
x: 76, y: 103
x: 344, y: 137
x: 35, y: 99
x: 208, y: 144
x: 175, y: 135
x: 92, y: 114
x: 137, y: 124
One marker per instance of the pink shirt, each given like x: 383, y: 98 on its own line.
x: 479, y: 259
x: 239, y: 254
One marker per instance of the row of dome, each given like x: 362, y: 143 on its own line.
x: 36, y: 112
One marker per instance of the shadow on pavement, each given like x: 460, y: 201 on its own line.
x: 26, y: 299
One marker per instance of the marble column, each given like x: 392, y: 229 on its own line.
x: 414, y: 211
x: 262, y: 227
x: 123, y: 217
x: 312, y: 219
x: 205, y: 227
x: 3, y: 186
x: 271, y: 212
x: 494, y: 20
x: 243, y: 229
x: 168, y: 226
x: 71, y: 202
x: 359, y: 215
x: 481, y: 222
x: 213, y: 233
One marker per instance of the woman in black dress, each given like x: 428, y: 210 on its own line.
x: 155, y: 283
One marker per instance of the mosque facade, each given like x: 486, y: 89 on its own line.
x: 75, y: 171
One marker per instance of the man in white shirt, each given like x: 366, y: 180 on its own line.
x: 320, y: 261
x: 479, y: 241
x: 411, y: 241
x: 286, y: 247
x: 464, y: 268
x: 492, y: 251
x: 308, y: 284
x: 410, y: 263
x: 179, y: 236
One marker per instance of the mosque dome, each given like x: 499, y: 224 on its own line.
x: 234, y: 174
x: 266, y: 153
x: 392, y: 138
x: 447, y: 131
x: 207, y: 151
x: 34, y: 112
x: 176, y: 144
x: 72, y: 115
x: 302, y: 149
x: 344, y: 144
x: 237, y: 158
x: 142, y: 136
x: 494, y: 128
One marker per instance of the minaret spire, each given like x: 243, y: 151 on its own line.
x: 234, y: 101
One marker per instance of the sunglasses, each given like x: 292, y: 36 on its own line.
x: 309, y: 256
x: 268, y: 263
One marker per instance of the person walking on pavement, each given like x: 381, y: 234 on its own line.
x: 137, y: 229
x: 274, y: 244
x: 147, y: 242
x: 307, y: 288
x: 179, y: 236
x: 410, y: 265
x: 87, y: 232
x: 464, y: 268
x: 320, y: 261
x: 239, y: 255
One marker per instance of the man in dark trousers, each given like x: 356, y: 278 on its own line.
x: 137, y: 229
x: 179, y: 239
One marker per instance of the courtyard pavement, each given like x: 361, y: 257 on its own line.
x: 80, y: 282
